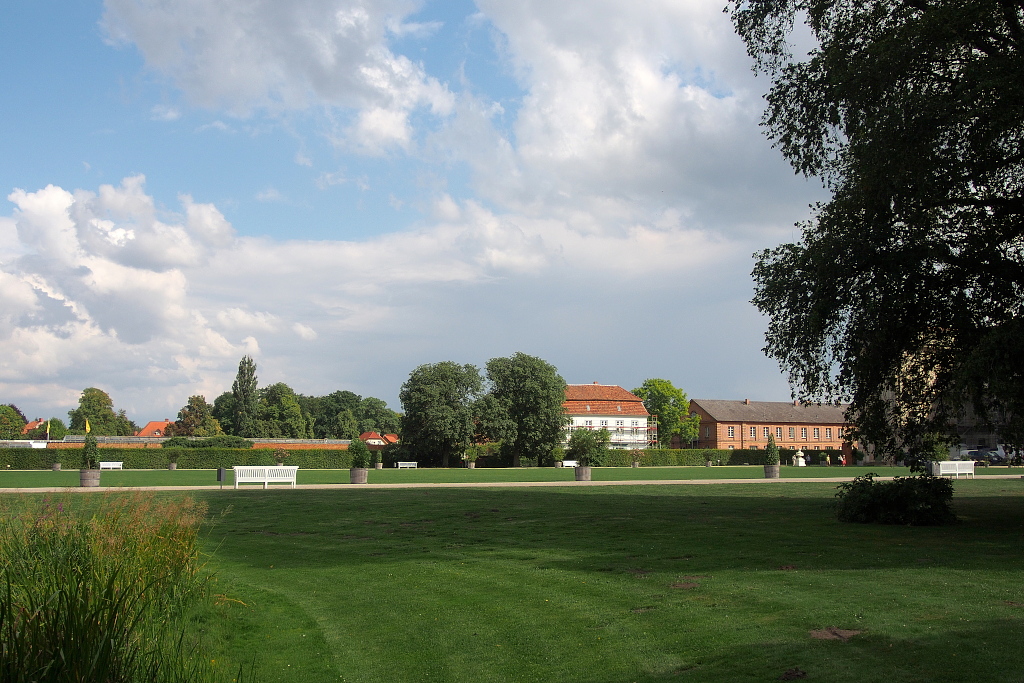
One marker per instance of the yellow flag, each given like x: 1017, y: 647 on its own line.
x: 87, y: 427
x: 47, y: 429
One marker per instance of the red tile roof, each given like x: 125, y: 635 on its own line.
x: 601, y: 399
x: 32, y: 425
x: 157, y: 428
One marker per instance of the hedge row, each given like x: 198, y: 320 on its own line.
x: 158, y: 458
x: 212, y: 458
x: 695, y: 457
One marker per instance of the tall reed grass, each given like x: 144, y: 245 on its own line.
x: 97, y: 589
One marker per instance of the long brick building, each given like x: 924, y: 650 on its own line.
x: 747, y: 424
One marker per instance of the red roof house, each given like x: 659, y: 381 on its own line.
x: 157, y: 428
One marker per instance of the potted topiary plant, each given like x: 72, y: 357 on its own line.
x: 587, y: 447
x: 771, y: 459
x: 470, y: 456
x: 279, y: 455
x: 361, y: 457
x: 89, y: 475
x: 172, y: 460
x: 635, y: 455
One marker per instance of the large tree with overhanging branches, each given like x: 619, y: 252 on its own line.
x: 904, y: 294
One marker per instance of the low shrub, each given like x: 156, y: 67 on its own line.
x: 920, y: 500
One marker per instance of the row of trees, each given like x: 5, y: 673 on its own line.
x: 448, y: 406
x: 277, y: 412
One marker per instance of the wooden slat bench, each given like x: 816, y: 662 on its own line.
x: 954, y: 468
x: 112, y: 465
x: 405, y: 465
x: 273, y: 474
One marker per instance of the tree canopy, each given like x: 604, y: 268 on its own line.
x: 904, y: 294
x: 246, y: 403
x: 96, y: 406
x: 11, y: 423
x: 437, y: 401
x: 670, y: 404
x: 195, y: 419
x: 529, y: 393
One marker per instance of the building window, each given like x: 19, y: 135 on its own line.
x: 732, y: 432
x: 767, y: 432
x: 753, y: 432
x: 829, y: 448
x: 635, y: 423
x: 588, y: 423
x: 731, y: 447
x: 604, y: 423
x: 817, y: 433
x: 620, y: 423
x: 753, y: 447
x: 778, y: 432
x: 707, y: 432
x: 828, y: 433
x: 803, y: 433
x: 792, y: 432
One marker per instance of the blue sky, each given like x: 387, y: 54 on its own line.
x: 347, y: 189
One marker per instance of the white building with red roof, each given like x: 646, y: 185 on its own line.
x: 609, y: 406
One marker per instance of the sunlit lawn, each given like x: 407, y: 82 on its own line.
x: 184, y: 477
x: 645, y: 583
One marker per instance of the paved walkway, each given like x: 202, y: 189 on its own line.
x: 475, y: 485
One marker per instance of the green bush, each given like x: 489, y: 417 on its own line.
x: 921, y: 500
x: 158, y: 458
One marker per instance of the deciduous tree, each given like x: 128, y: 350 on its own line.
x: 96, y: 406
x: 670, y: 404
x: 195, y: 419
x: 437, y: 401
x: 530, y: 392
x: 11, y: 423
x: 904, y: 294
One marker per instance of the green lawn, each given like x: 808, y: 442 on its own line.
x: 647, y: 583
x: 47, y: 478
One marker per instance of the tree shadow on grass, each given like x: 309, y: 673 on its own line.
x: 642, y: 528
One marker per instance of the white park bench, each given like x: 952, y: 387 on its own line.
x: 274, y: 474
x: 953, y: 468
x: 112, y: 465
x: 570, y: 463
x: 407, y: 465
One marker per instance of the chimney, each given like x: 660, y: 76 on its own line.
x: 796, y: 402
x: 746, y: 401
x: 595, y: 382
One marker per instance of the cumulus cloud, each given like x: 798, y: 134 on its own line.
x: 243, y: 55
x: 76, y: 302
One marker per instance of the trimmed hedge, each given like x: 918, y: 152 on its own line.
x: 158, y: 458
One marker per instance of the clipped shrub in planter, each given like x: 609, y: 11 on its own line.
x: 771, y: 459
x: 361, y: 459
x: 920, y: 500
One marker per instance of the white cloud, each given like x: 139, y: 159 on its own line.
x: 270, y: 194
x: 83, y: 309
x: 163, y: 112
x: 244, y: 55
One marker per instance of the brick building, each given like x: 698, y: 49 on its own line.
x: 747, y: 424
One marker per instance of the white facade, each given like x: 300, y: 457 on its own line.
x: 627, y: 431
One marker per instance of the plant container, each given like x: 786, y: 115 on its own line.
x: 357, y: 475
x: 583, y: 473
x: 89, y: 477
x: 771, y: 471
